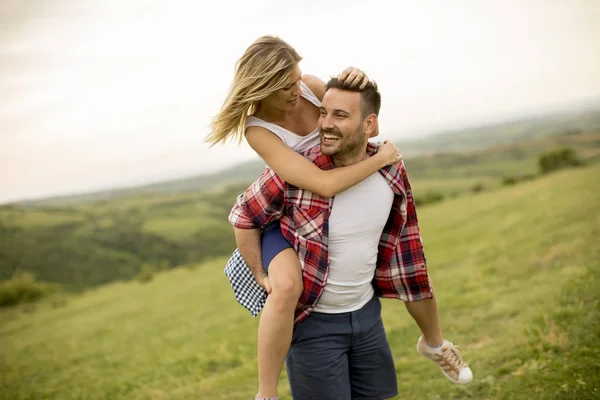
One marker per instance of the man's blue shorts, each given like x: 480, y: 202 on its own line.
x: 342, y: 356
x: 272, y: 242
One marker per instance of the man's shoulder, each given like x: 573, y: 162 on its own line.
x: 393, y: 173
x: 372, y: 148
x: 321, y: 160
x: 314, y: 154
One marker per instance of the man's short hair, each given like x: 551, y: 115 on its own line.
x: 370, y: 98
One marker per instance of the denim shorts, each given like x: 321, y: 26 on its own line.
x: 272, y: 243
x: 342, y: 356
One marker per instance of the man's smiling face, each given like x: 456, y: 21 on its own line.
x: 341, y: 123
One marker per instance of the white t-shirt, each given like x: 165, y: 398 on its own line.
x: 357, y: 219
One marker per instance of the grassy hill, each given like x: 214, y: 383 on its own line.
x: 516, y: 271
x: 91, y: 244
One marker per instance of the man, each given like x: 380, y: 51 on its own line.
x: 361, y: 245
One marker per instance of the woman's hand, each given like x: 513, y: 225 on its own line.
x: 353, y: 77
x: 265, y: 283
x: 389, y: 153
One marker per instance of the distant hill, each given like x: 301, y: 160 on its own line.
x: 462, y: 140
x: 485, y: 136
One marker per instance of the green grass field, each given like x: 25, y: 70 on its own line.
x: 516, y: 271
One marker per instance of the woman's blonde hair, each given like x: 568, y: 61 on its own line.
x: 264, y: 68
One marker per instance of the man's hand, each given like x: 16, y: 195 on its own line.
x: 265, y: 284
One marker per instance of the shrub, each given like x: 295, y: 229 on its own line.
x: 559, y: 158
x: 478, y: 187
x: 527, y: 177
x: 512, y: 179
x: 23, y: 288
x: 509, y: 180
x: 146, y: 274
x: 429, y: 198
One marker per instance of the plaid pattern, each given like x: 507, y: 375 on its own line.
x: 401, y: 266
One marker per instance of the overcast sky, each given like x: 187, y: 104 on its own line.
x: 95, y: 93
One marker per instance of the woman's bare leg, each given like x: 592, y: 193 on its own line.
x: 426, y: 315
x: 277, y: 320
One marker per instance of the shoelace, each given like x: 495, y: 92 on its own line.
x: 452, y: 356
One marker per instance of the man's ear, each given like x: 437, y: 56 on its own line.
x: 376, y: 131
x: 371, y: 125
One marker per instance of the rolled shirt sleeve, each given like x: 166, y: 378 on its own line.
x: 260, y: 204
x: 410, y: 237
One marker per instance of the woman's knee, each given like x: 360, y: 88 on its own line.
x: 285, y: 276
x: 287, y: 288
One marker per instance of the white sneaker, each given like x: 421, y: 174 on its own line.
x: 449, y: 361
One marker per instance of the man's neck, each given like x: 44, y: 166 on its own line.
x: 343, y: 160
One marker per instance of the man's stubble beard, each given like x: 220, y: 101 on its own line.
x: 349, y: 149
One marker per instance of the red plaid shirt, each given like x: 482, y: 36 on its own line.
x: 401, y: 271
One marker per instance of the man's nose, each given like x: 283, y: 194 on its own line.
x: 326, y: 122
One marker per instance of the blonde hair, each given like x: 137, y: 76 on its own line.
x: 264, y: 68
